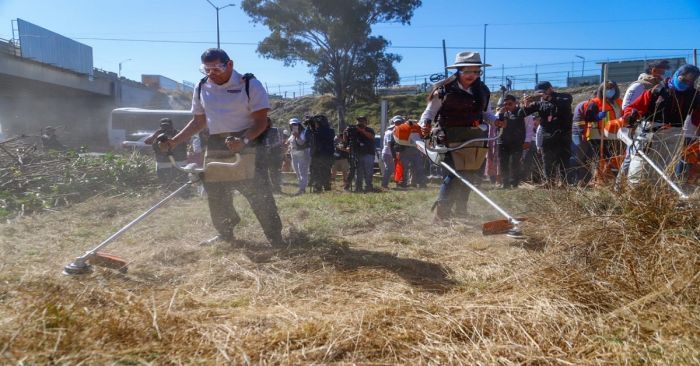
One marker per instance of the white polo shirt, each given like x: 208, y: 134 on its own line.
x: 227, y: 107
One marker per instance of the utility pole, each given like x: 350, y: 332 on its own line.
x: 218, y: 39
x: 695, y: 56
x: 503, y: 80
x: 444, y: 57
x: 583, y: 63
x: 484, y: 74
x: 120, y: 66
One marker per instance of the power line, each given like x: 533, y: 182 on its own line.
x: 161, y: 41
x: 544, y: 48
x: 402, y: 47
x: 547, y: 23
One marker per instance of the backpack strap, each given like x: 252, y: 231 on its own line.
x: 246, y: 78
x: 199, y: 87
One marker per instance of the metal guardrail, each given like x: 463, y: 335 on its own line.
x: 8, y: 47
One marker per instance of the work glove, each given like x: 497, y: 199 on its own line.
x: 592, y: 112
x: 632, y: 118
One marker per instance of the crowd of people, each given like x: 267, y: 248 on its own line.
x: 572, y: 145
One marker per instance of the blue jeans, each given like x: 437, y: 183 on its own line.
x: 454, y: 192
x: 388, y: 162
x: 412, y: 162
x: 365, y: 170
x: 581, y: 155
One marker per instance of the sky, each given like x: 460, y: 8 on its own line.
x: 167, y: 37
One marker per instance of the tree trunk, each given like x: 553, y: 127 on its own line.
x: 340, y: 108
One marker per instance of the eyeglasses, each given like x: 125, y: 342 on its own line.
x: 207, y: 69
x: 475, y: 72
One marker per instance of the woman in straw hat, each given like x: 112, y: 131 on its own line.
x: 460, y: 107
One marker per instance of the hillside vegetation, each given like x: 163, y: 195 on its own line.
x: 411, y: 106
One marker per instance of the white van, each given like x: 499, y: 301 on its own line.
x: 126, y: 122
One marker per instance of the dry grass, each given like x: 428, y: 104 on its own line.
x: 368, y: 280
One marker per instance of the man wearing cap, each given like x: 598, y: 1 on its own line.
x: 234, y: 107
x: 405, y: 135
x: 165, y: 170
x: 388, y: 151
x: 363, y: 150
x: 668, y: 108
x: 512, y: 142
x: 50, y: 140
x: 554, y: 110
x: 461, y: 109
x: 653, y: 75
x: 300, y: 152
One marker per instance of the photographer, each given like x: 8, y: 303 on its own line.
x: 165, y: 171
x: 300, y: 153
x: 322, y: 149
x: 361, y: 138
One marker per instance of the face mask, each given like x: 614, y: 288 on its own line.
x: 610, y: 93
x: 679, y: 85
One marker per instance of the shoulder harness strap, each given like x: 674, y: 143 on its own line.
x: 246, y: 78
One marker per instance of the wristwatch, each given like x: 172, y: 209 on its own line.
x: 245, y: 140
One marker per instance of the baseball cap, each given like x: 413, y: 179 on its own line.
x: 542, y: 86
x: 398, y: 118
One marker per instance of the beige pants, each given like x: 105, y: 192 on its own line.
x: 469, y: 158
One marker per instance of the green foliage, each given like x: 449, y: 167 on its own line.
x: 334, y: 38
x: 72, y: 178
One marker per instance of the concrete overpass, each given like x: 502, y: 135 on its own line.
x: 34, y: 95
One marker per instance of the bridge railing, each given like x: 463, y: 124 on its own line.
x: 8, y: 47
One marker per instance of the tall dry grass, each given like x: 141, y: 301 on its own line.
x: 603, y: 279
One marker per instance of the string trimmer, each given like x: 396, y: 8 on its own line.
x: 638, y: 145
x: 510, y: 226
x: 94, y: 256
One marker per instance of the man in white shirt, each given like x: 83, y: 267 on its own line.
x: 234, y: 107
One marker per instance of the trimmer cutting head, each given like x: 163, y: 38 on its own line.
x: 77, y: 268
x: 516, y: 233
x: 83, y: 265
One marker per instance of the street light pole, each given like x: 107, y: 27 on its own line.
x: 484, y: 69
x: 120, y: 66
x: 583, y: 63
x: 218, y: 38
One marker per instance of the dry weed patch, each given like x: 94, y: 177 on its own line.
x: 603, y: 279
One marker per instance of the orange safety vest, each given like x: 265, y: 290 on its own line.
x: 403, y: 132
x: 614, y: 111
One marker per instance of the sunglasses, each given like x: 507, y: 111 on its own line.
x: 207, y: 69
x: 475, y: 72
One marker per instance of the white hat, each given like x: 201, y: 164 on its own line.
x: 294, y: 121
x: 467, y: 59
x: 398, y: 118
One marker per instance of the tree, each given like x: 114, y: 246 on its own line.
x: 334, y: 38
